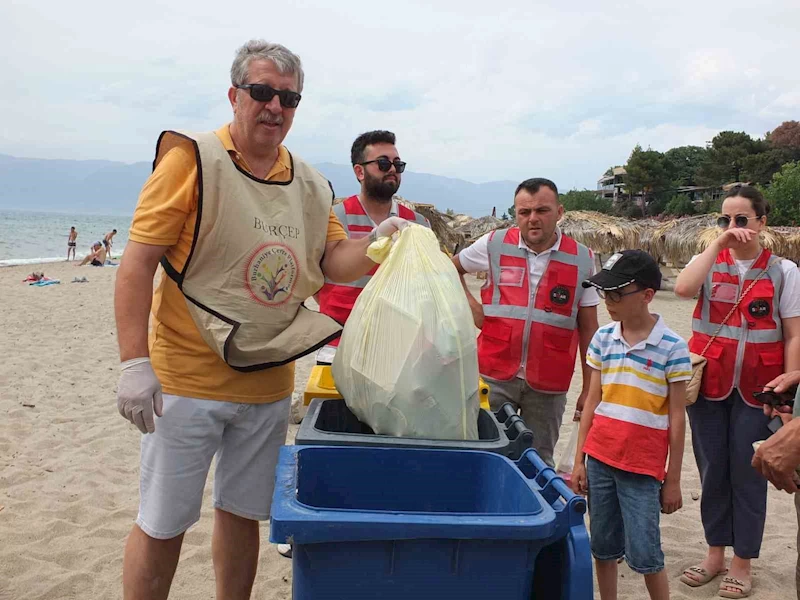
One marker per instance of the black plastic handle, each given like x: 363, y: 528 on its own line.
x: 519, y: 436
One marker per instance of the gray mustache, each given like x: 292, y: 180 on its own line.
x: 270, y: 119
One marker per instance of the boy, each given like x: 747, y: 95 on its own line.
x: 634, y: 416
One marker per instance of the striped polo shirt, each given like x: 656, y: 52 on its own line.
x: 630, y: 430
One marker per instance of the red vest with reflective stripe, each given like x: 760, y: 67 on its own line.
x: 748, y: 352
x: 537, y: 328
x: 337, y: 299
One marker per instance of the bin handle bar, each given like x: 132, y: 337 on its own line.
x: 539, y: 472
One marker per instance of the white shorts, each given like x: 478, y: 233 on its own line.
x: 175, y: 460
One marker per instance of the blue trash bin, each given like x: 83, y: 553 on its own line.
x: 398, y: 523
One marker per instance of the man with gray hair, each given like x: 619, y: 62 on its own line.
x: 245, y: 234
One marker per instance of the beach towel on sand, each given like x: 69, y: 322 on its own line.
x: 44, y: 282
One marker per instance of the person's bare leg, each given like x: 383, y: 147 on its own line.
x: 149, y: 566
x: 234, y: 548
x: 607, y: 578
x: 657, y: 585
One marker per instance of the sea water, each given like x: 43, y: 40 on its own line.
x: 28, y: 237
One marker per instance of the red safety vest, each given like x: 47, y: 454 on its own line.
x: 535, y: 328
x: 748, y: 351
x: 337, y: 299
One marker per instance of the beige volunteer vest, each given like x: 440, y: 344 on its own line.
x: 255, y: 258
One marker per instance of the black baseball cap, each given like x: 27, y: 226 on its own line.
x: 624, y: 268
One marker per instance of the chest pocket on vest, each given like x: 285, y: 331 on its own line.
x: 724, y: 292
x: 512, y: 276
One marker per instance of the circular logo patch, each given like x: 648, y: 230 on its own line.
x: 559, y: 295
x: 758, y: 308
x: 271, y: 274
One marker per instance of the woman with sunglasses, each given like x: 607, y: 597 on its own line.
x: 747, y: 325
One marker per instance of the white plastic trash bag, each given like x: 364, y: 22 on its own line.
x: 567, y: 459
x: 407, y: 363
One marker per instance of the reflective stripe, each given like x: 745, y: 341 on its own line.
x: 520, y: 313
x: 494, y: 248
x: 341, y: 214
x: 756, y: 336
x: 420, y: 220
x: 358, y: 283
x: 362, y: 220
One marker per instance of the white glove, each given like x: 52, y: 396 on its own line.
x: 388, y: 227
x: 139, y: 394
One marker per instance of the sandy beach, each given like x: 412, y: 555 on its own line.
x: 69, y: 462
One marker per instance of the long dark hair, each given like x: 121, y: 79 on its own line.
x: 760, y: 205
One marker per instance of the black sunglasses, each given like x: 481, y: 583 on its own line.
x: 261, y: 92
x: 739, y: 220
x: 615, y: 296
x: 384, y: 164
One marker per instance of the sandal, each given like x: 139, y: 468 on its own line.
x: 742, y: 588
x: 704, y: 576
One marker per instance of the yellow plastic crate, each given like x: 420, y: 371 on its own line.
x: 321, y: 385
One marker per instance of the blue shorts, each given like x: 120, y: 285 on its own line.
x: 624, y: 514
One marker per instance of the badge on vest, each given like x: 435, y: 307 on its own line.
x: 271, y: 274
x: 560, y: 295
x: 758, y: 308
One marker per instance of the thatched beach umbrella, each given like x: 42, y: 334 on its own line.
x: 678, y: 240
x: 791, y: 246
x: 475, y: 228
x: 602, y: 233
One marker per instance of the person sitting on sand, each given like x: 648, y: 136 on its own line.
x: 72, y: 242
x: 97, y: 257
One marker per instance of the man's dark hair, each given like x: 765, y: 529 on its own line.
x: 115, y: 231
x: 760, y: 205
x: 534, y: 184
x: 368, y: 139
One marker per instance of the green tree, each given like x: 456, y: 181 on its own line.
x: 783, y: 195
x: 450, y: 212
x: 683, y: 163
x: 680, y: 206
x: 709, y: 205
x: 725, y: 158
x: 759, y: 168
x: 646, y: 175
x: 585, y: 200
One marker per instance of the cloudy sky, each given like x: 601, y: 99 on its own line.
x: 474, y: 89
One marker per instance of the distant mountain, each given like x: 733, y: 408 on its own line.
x: 107, y: 187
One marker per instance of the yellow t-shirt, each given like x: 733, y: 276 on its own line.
x: 165, y: 216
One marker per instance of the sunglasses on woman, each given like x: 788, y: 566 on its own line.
x: 261, y: 92
x: 739, y: 221
x: 384, y: 164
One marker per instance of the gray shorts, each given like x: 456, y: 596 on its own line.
x: 245, y: 438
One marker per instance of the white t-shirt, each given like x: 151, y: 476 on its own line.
x: 789, y: 306
x: 475, y: 258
